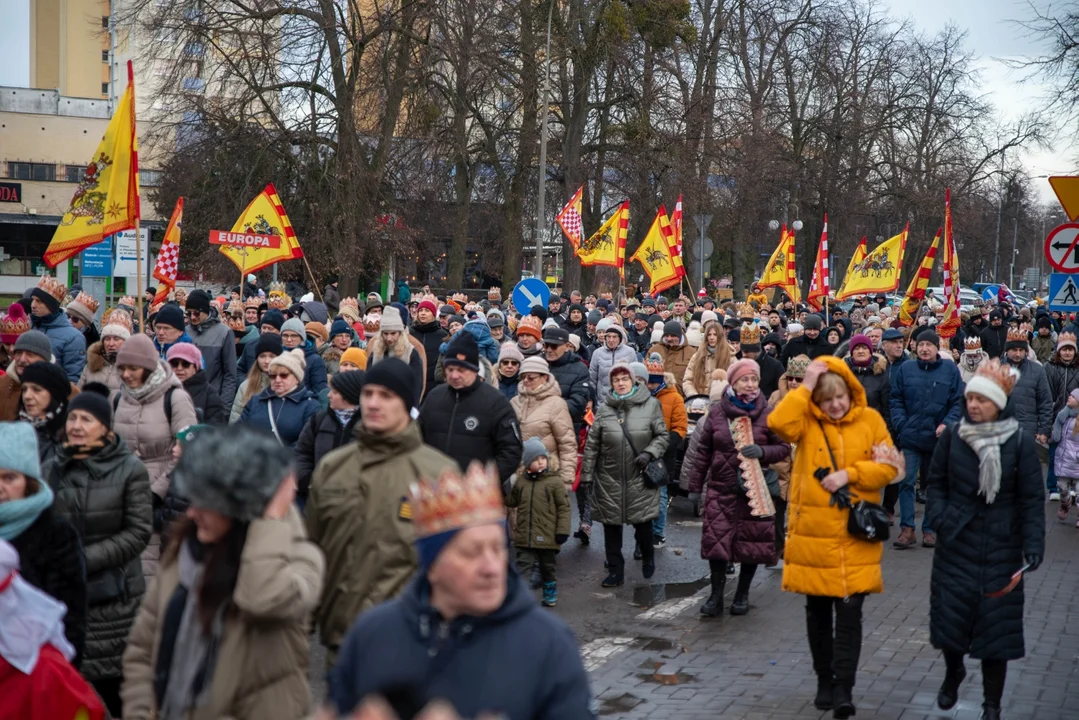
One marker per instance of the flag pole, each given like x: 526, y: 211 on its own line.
x: 138, y: 274
x: 138, y: 209
x: 314, y: 282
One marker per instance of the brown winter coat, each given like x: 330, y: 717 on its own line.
x: 731, y: 533
x: 675, y: 361
x: 261, y: 668
x: 358, y: 513
x: 99, y: 370
x: 698, y: 376
x: 544, y: 414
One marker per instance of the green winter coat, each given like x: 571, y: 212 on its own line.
x: 542, y: 511
x: 619, y: 495
x: 1043, y: 347
x: 359, y: 514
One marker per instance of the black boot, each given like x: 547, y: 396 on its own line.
x: 949, y: 690
x: 991, y: 710
x: 823, y: 700
x: 713, y: 606
x: 842, y: 704
x: 740, y: 606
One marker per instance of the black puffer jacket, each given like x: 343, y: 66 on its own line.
x: 1063, y: 378
x: 1031, y: 401
x: 51, y: 559
x: 322, y: 433
x: 431, y: 335
x: 771, y: 371
x: 876, y: 381
x: 106, y: 497
x: 572, y: 376
x: 980, y: 546
x: 474, y: 423
x: 209, y: 406
x: 994, y: 339
x: 802, y: 345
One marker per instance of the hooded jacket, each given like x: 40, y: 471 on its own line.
x: 1063, y: 378
x: 821, y: 556
x: 573, y: 380
x: 619, y: 494
x: 314, y: 374
x: 358, y: 513
x: 543, y: 413
x: 874, y: 379
x: 543, y: 511
x: 803, y: 345
x: 924, y: 396
x: 209, y: 407
x: 322, y: 434
x: 474, y: 663
x: 260, y: 672
x: 68, y: 344
x: 994, y: 338
x: 99, y: 370
x: 675, y: 360
x: 603, y: 359
x: 431, y: 335
x: 218, y: 346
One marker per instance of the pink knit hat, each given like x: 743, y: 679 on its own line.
x: 741, y: 368
x: 185, y: 351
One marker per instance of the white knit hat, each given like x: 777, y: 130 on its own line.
x: 535, y: 364
x: 391, y: 320
x: 293, y: 361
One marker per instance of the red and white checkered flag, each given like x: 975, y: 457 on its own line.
x: 168, y: 258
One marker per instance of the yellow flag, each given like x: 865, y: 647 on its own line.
x: 857, y: 257
x: 775, y: 272
x: 106, y: 199
x: 608, y: 245
x: 879, y: 271
x: 265, y: 215
x: 908, y: 312
x: 656, y: 256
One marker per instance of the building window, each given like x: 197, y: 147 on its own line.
x: 105, y: 21
x: 32, y: 171
x: 75, y: 173
x: 149, y: 178
x: 104, y: 56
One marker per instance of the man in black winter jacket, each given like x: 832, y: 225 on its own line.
x: 812, y: 343
x: 328, y: 429
x: 570, y: 373
x: 468, y: 419
x: 995, y: 337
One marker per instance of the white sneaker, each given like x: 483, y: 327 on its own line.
x: 1054, y: 496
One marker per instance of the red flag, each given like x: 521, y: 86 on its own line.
x: 569, y: 218
x: 168, y: 257
x: 818, y: 288
x: 951, y: 321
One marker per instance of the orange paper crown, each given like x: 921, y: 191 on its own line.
x: 530, y: 325
x: 1003, y: 375
x: 53, y: 287
x: 87, y: 301
x: 127, y: 301
x: 456, y: 502
x: 253, y: 303
x: 116, y: 316
x: 1020, y: 334
x: 751, y: 334
x: 278, y: 296
x: 972, y: 344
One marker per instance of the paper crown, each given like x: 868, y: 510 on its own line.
x: 117, y: 316
x: 745, y: 310
x: 127, y: 301
x: 1066, y: 339
x: 456, y: 502
x: 88, y: 301
x: 494, y: 294
x: 1019, y: 334
x: 1005, y: 376
x: 253, y: 302
x: 53, y: 287
x: 532, y: 324
x: 654, y: 364
x: 235, y: 307
x: 751, y: 334
x: 371, y: 323
x: 278, y: 297
x: 972, y: 344
x: 14, y: 323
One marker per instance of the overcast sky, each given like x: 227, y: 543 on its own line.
x: 991, y: 37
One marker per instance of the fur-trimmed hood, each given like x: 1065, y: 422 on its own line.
x: 95, y: 357
x: 376, y: 348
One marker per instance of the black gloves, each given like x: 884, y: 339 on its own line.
x: 1034, y: 561
x: 643, y: 459
x: 561, y: 539
x: 841, y: 498
x: 752, y: 451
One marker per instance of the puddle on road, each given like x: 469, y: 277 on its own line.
x: 647, y: 596
x: 621, y: 704
x: 675, y: 678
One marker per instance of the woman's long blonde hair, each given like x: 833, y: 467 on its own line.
x: 701, y: 375
x: 257, y: 381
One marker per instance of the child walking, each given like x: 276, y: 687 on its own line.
x: 543, y: 517
x: 1066, y: 460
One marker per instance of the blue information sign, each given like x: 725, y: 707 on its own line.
x: 97, y: 259
x: 530, y: 292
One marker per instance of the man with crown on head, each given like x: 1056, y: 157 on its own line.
x: 972, y: 358
x: 46, y: 315
x: 358, y: 510
x: 467, y: 631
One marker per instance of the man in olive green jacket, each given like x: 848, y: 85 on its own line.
x: 358, y: 510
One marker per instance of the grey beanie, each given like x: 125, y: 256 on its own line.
x: 212, y: 475
x: 36, y: 342
x: 814, y: 322
x: 294, y: 325
x: 533, y: 448
x: 594, y: 316
x: 18, y: 449
x: 639, y: 370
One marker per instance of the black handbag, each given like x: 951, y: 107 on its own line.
x: 867, y: 521
x: 655, y: 473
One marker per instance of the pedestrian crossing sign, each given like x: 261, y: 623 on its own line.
x: 1063, y: 292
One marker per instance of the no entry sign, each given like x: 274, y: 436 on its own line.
x: 1061, y: 248
x: 239, y: 239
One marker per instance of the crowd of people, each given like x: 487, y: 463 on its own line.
x: 200, y: 484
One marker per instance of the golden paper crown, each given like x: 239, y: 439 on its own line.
x: 253, y: 302
x: 1067, y: 338
x: 972, y: 344
x: 1003, y: 375
x: 88, y: 301
x: 53, y: 287
x: 456, y: 502
x: 15, y: 322
x: 1020, y: 334
x: 745, y: 310
x: 278, y: 297
x: 751, y: 334
x: 117, y: 316
x: 127, y: 301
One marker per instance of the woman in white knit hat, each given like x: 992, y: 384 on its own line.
x: 285, y: 407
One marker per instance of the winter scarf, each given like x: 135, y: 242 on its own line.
x: 745, y: 402
x: 17, y: 515
x: 985, y: 440
x: 157, y: 377
x: 186, y: 660
x: 616, y: 396
x: 345, y: 416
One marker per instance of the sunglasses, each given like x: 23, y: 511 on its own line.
x: 280, y: 376
x: 791, y: 378
x: 180, y: 364
x: 508, y: 362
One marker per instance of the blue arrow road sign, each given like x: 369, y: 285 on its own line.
x: 1063, y: 292
x: 530, y: 292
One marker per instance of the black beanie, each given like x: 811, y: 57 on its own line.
x: 348, y: 383
x: 927, y: 335
x: 50, y: 302
x: 49, y: 376
x: 463, y: 351
x: 94, y: 399
x: 172, y: 316
x: 672, y: 327
x: 734, y: 335
x: 199, y: 300
x: 273, y: 318
x: 269, y: 342
x: 393, y: 374
x: 539, y: 311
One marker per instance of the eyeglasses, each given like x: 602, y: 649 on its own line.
x: 280, y: 376
x: 508, y: 362
x: 792, y: 379
x: 182, y: 364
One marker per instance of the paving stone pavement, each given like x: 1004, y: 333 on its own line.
x: 758, y: 665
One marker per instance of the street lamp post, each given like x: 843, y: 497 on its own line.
x: 541, y: 210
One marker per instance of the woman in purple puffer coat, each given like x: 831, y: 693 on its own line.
x: 731, y: 533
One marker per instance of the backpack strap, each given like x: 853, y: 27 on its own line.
x: 168, y: 404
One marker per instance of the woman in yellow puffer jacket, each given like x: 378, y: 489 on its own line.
x: 833, y: 569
